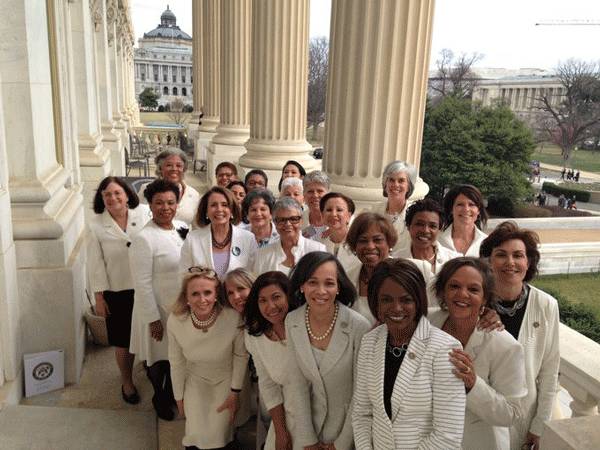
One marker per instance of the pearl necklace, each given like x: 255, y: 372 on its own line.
x: 204, y: 325
x: 329, y: 330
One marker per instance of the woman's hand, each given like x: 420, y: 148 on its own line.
x: 532, y: 441
x: 232, y: 404
x: 317, y: 446
x: 180, y: 408
x: 464, y: 368
x: 283, y: 440
x: 101, y: 305
x: 490, y: 321
x: 156, y: 330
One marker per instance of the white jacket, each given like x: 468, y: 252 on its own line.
x: 187, y: 206
x: 445, y: 238
x: 442, y: 254
x: 272, y: 256
x: 108, y: 249
x: 428, y: 401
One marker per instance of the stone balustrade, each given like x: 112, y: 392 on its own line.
x: 157, y: 137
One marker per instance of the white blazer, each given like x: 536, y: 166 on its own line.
x: 445, y: 238
x: 344, y: 254
x: 399, y: 223
x: 539, y: 337
x: 442, y: 255
x: 272, y: 256
x: 187, y: 206
x: 321, y: 396
x: 197, y: 249
x: 108, y: 249
x: 428, y: 400
x: 494, y: 402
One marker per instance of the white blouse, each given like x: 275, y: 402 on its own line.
x: 446, y: 240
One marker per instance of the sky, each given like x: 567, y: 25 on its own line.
x: 504, y: 32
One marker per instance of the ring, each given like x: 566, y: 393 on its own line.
x: 498, y: 322
x: 468, y: 370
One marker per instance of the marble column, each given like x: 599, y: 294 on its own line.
x: 111, y: 138
x: 234, y: 127
x: 378, y: 65
x: 46, y: 208
x: 279, y: 87
x: 197, y: 67
x: 111, y: 19
x: 120, y: 63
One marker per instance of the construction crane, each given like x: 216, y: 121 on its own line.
x: 568, y: 22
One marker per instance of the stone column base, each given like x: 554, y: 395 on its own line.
x: 111, y: 139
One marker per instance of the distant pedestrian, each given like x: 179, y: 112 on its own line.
x: 562, y: 173
x: 572, y: 203
x: 576, y: 177
x: 561, y: 201
x: 542, y: 199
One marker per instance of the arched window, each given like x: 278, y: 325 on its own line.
x: 184, y: 92
x: 166, y: 90
x: 175, y: 91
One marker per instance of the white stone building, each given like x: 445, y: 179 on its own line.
x: 163, y: 61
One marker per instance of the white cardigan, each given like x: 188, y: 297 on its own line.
x: 321, y: 397
x: 494, y: 402
x: 272, y: 256
x: 539, y: 337
x: 197, y: 249
x: 108, y: 249
x: 445, y: 238
x: 187, y: 206
x: 428, y: 401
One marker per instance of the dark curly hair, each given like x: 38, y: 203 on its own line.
x: 159, y: 186
x: 132, y: 198
x: 425, y: 205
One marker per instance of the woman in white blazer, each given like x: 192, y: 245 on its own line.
x: 530, y: 316
x: 218, y: 243
x: 465, y: 214
x: 154, y: 262
x: 491, y: 366
x: 119, y: 217
x: 324, y: 337
x: 284, y: 254
x: 257, y: 208
x: 370, y: 238
x: 171, y: 165
x: 208, y: 361
x: 315, y: 185
x: 405, y: 394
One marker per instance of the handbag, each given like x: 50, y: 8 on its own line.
x: 96, y: 324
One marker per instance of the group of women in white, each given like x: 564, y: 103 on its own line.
x: 404, y: 328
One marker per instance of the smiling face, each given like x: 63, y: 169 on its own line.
x: 237, y: 295
x: 172, y: 169
x: 218, y: 210
x: 372, y: 246
x: 424, y: 229
x: 397, y: 185
x: 396, y: 308
x: 291, y: 171
x: 201, y: 296
x: 164, y: 208
x: 288, y: 223
x: 255, y: 181
x: 115, y: 199
x: 509, y: 262
x: 321, y: 288
x: 238, y: 194
x: 312, y: 195
x: 259, y: 214
x: 295, y: 192
x: 336, y: 214
x: 464, y: 295
x: 224, y: 176
x: 273, y: 304
x: 464, y: 211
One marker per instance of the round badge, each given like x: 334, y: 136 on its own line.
x: 411, y: 355
x: 236, y: 251
x: 42, y: 371
x: 536, y: 324
x: 133, y: 224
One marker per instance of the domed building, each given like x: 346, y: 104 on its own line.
x: 163, y: 61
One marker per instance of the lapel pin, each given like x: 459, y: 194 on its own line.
x: 133, y: 224
x: 236, y: 251
x: 412, y: 355
x: 536, y: 324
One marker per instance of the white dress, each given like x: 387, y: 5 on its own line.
x: 205, y: 366
x: 445, y: 238
x: 187, y: 207
x: 154, y: 262
x: 272, y: 256
x: 271, y: 359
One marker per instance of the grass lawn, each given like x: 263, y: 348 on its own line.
x: 576, y: 288
x: 157, y: 117
x: 580, y: 159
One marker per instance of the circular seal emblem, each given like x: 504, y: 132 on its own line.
x: 236, y: 251
x: 42, y: 371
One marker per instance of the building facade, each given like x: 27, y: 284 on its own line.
x: 163, y: 61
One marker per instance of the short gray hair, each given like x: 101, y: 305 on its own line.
x: 286, y: 203
x: 317, y: 176
x: 400, y: 166
x: 167, y: 152
x: 291, y: 181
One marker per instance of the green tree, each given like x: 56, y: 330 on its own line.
x: 148, y: 98
x: 484, y: 146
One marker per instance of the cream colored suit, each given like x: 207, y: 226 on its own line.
x: 321, y: 397
x: 187, y: 206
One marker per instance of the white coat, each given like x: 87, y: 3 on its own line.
x: 343, y: 253
x: 494, y: 402
x: 197, y: 249
x: 187, y: 206
x: 108, y: 249
x: 272, y: 256
x: 321, y: 396
x: 154, y: 262
x: 442, y: 254
x: 539, y: 337
x: 428, y: 400
x: 445, y: 238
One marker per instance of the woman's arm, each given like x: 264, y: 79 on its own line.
x: 96, y: 265
x: 240, y: 361
x: 362, y: 409
x: 141, y: 262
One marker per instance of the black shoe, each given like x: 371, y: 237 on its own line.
x: 132, y: 399
x: 163, y: 411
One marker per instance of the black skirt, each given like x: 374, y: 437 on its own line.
x: 118, y: 322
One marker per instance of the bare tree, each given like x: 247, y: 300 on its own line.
x: 454, y: 75
x: 176, y: 112
x: 318, y: 53
x: 573, y: 114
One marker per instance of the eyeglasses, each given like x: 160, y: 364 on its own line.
x: 294, y: 220
x: 203, y: 271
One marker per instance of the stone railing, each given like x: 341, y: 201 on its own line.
x: 155, y: 138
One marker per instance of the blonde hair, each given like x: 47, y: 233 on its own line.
x: 181, y: 307
x: 239, y: 276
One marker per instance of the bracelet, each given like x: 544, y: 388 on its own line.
x: 237, y: 391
